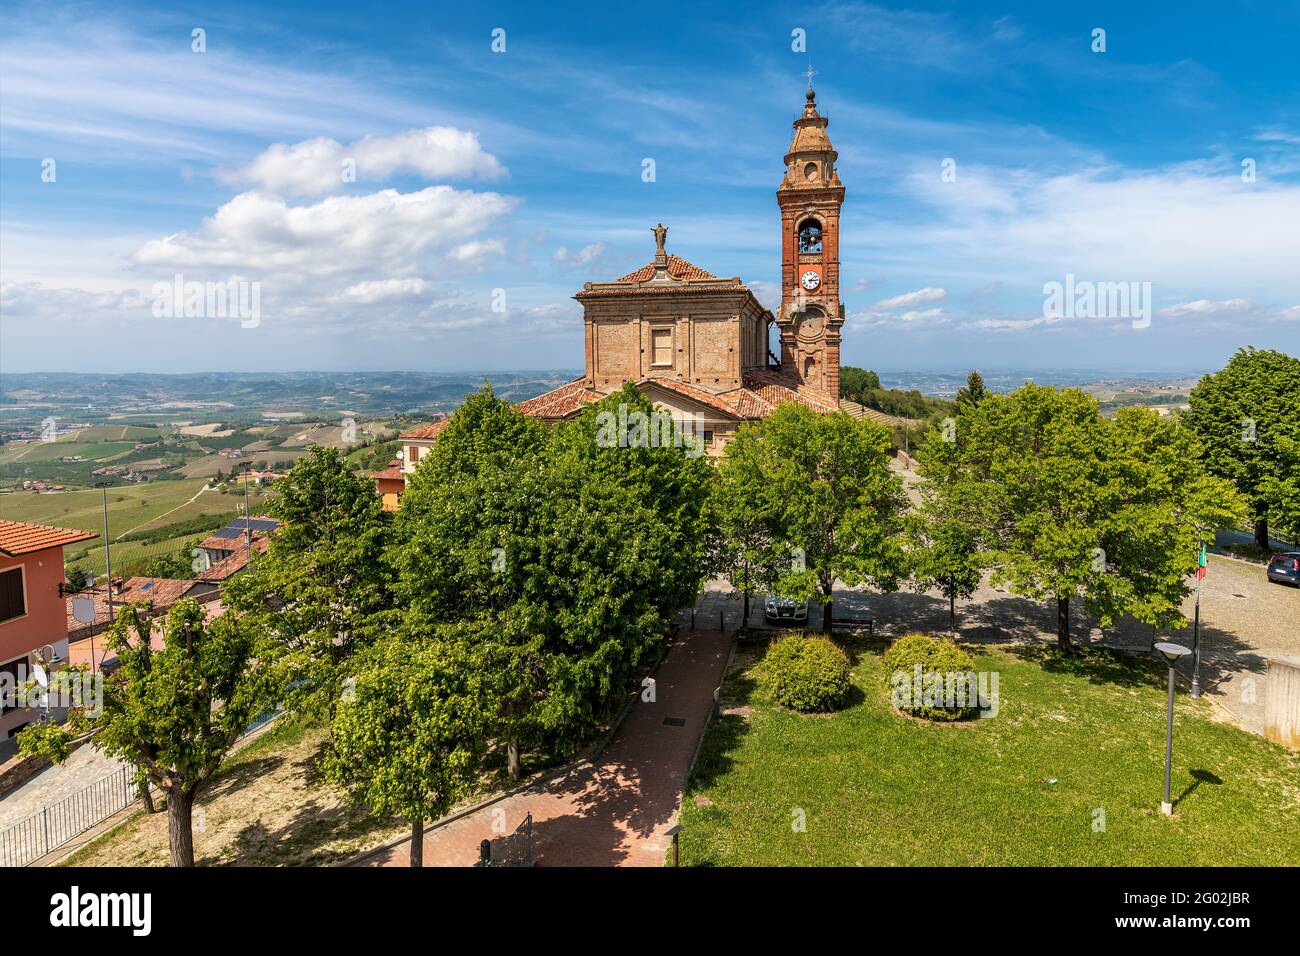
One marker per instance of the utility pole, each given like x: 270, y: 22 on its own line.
x: 248, y: 528
x: 108, y: 574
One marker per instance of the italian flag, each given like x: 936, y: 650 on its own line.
x: 1201, y: 563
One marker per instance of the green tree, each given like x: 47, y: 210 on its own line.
x: 565, y: 554
x: 744, y: 550
x: 856, y: 382
x: 947, y: 558
x: 832, y: 506
x: 176, y: 712
x: 972, y: 393
x: 1246, y: 417
x: 323, y: 587
x: 176, y: 564
x: 76, y: 576
x: 408, y: 735
x: 1068, y: 505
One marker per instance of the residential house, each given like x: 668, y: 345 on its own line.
x: 33, y: 618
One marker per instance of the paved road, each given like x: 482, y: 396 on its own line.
x: 612, y: 812
x: 84, y: 766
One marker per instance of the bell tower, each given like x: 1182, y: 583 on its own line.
x: 811, y: 313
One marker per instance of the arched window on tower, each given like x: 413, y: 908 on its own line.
x: 810, y: 236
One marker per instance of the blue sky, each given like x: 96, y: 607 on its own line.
x: 522, y: 171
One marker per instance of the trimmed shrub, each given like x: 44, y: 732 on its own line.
x: 947, y: 696
x: 807, y: 673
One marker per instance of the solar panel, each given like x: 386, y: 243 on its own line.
x: 238, y: 526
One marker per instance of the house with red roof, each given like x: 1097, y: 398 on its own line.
x: 33, y: 614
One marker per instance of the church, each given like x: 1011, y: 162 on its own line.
x: 697, y: 345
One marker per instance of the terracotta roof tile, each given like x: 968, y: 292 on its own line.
x: 392, y: 473
x: 425, y: 432
x: 234, y: 563
x: 21, y: 537
x: 678, y: 268
x: 561, y: 402
x: 758, y: 397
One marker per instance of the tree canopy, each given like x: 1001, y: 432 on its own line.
x: 1247, y: 416
x: 324, y: 586
x: 567, y: 557
x: 408, y: 735
x: 175, y: 712
x: 1067, y: 505
x: 832, y: 508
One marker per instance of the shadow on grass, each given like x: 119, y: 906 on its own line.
x: 1198, y: 777
x: 299, y: 842
x: 237, y: 775
x: 1099, y: 665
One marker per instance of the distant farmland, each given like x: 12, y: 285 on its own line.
x: 130, y: 507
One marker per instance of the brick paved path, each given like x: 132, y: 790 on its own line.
x: 613, y: 812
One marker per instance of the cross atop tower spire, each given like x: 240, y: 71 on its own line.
x: 810, y: 74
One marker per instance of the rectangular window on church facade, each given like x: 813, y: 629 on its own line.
x: 662, y: 347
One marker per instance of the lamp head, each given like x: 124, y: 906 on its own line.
x: 1172, y: 652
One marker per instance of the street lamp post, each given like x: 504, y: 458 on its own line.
x: 1196, y: 620
x: 1171, y: 653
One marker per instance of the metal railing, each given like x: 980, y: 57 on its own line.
x: 54, y: 825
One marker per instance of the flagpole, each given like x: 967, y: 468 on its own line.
x: 1196, y: 625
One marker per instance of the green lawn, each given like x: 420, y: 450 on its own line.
x: 876, y: 788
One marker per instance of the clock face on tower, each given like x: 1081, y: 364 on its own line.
x: 810, y: 280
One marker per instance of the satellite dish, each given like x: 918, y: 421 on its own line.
x: 399, y: 455
x: 83, y: 610
x: 42, y: 678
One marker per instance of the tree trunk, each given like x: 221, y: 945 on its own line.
x: 147, y: 796
x: 744, y: 621
x: 1063, y: 623
x: 513, y: 766
x: 1261, y: 533
x: 952, y: 614
x: 417, y: 843
x: 180, y: 803
x: 828, y: 608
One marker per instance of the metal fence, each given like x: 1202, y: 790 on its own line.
x: 56, y: 824
x: 513, y: 850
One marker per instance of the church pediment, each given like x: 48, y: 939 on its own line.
x: 679, y: 400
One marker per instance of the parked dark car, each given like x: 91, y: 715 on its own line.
x: 1285, y: 568
x: 778, y: 610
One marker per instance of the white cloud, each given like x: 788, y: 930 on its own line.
x: 919, y: 297
x: 584, y: 256
x: 1187, y: 225
x: 317, y: 166
x: 385, y: 290
x: 386, y: 232
x: 1208, y: 307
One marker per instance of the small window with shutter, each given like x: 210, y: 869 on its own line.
x: 12, y: 600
